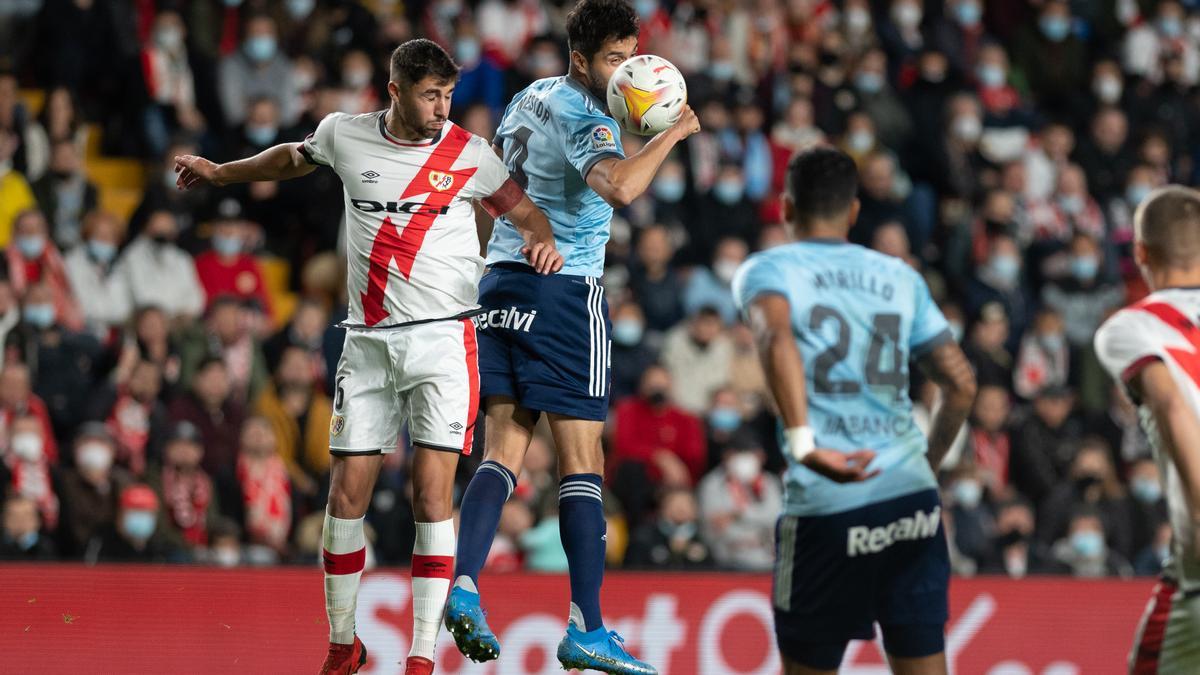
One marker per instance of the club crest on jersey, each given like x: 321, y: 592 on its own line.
x: 441, y: 181
x: 602, y: 138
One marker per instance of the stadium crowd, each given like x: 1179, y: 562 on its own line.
x: 158, y: 400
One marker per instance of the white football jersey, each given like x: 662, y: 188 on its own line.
x: 411, y: 243
x: 1165, y: 327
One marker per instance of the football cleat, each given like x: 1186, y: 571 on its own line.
x: 467, y: 623
x: 344, y: 659
x: 599, y: 650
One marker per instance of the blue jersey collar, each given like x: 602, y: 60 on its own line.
x: 572, y: 82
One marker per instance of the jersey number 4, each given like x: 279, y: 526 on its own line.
x: 884, y: 366
x: 516, y: 153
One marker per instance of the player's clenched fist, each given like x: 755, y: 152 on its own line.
x: 688, y: 123
x: 193, y: 170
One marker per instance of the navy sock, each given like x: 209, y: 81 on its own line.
x: 582, y: 527
x: 479, y: 517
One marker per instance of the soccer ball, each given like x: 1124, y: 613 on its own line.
x: 646, y: 94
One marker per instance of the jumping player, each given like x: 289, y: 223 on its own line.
x: 1153, y: 346
x: 412, y: 247
x: 543, y: 345
x: 836, y: 324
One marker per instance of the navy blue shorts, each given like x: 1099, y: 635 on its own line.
x: 836, y: 575
x: 543, y: 340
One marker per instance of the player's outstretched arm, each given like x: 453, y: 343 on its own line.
x: 540, y: 249
x: 279, y: 162
x: 948, y: 367
x: 1178, y: 428
x: 770, y: 319
x: 620, y: 181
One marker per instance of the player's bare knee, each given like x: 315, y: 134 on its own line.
x: 432, y: 504
x: 344, y: 504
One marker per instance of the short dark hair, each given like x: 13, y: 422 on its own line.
x: 1168, y: 225
x: 417, y: 59
x: 591, y: 23
x: 823, y: 183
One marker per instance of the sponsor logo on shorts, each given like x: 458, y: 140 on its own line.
x: 456, y: 428
x: 511, y: 318
x: 336, y: 425
x: 863, y: 540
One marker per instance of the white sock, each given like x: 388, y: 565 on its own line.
x: 345, y: 555
x: 432, y: 568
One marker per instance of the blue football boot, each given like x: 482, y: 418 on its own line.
x: 467, y: 622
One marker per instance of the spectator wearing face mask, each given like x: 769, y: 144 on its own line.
x: 1141, y: 180
x: 959, y: 33
x: 225, y: 544
x: 358, y: 75
x: 698, y: 355
x: 958, y: 167
x: 654, y: 443
x: 1090, y: 482
x: 65, y: 194
x: 255, y: 489
x: 1015, y: 553
x: 1164, y: 34
x: 668, y: 189
x: 103, y: 293
x: 161, y: 193
x: 882, y: 199
x: 999, y: 280
x: 673, y: 540
x: 169, y: 83
x: 136, y: 536
x: 903, y: 32
x: 17, y: 399
x: 880, y: 102
x: 723, y: 424
x: 90, y: 490
x: 1084, y: 552
x: 724, y: 211
x: 739, y: 504
x: 1149, y: 508
x: 21, y: 537
x: 968, y: 504
x: 228, y: 270
x: 1052, y: 60
x: 26, y: 471
x: 1108, y: 86
x: 481, y: 80
x: 632, y: 354
x: 33, y: 259
x: 160, y: 274
x: 709, y: 286
x: 1105, y: 154
x: 135, y: 416
x: 986, y: 349
x: 189, y: 497
x: 988, y: 438
x: 257, y: 69
x: 1044, y: 358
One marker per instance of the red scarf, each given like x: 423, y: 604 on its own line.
x: 186, y: 497
x: 129, y: 424
x: 33, y: 481
x: 991, y: 455
x: 267, y: 496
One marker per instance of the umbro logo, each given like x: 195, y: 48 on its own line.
x: 369, y: 176
x: 456, y: 426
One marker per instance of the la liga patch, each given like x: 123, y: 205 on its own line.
x: 602, y: 139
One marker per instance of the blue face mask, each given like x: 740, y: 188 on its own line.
x: 261, y: 135
x: 968, y: 14
x: 669, y: 189
x: 227, y: 246
x: 1145, y: 490
x: 861, y: 141
x: 1134, y: 194
x: 1052, y: 342
x: 467, y: 51
x: 27, y: 540
x: 728, y: 192
x: 39, y: 316
x: 1084, y: 268
x: 1170, y: 27
x: 645, y: 8
x: 1055, y: 28
x: 31, y: 245
x: 298, y: 9
x: 627, y: 332
x: 138, y: 524
x: 1072, y: 204
x: 722, y: 71
x: 1005, y: 268
x: 260, y: 48
x: 991, y: 75
x: 102, y: 251
x: 232, y: 3
x: 869, y: 83
x: 1088, y: 544
x: 968, y: 493
x: 724, y: 419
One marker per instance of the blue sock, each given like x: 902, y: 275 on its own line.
x: 582, y: 527
x: 479, y: 516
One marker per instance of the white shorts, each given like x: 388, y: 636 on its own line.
x: 426, y: 375
x: 1168, y: 638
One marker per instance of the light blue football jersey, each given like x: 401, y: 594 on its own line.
x: 552, y: 134
x: 857, y: 316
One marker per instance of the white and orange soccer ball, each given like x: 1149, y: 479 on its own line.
x: 646, y: 94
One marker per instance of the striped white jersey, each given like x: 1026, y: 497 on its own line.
x: 411, y: 243
x: 1164, y: 327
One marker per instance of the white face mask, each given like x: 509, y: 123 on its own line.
x: 27, y: 446
x: 744, y: 467
x: 226, y: 557
x: 725, y: 269
x: 95, y: 457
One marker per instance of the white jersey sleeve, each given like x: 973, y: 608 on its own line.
x: 318, y: 147
x: 492, y: 185
x: 1127, y: 342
